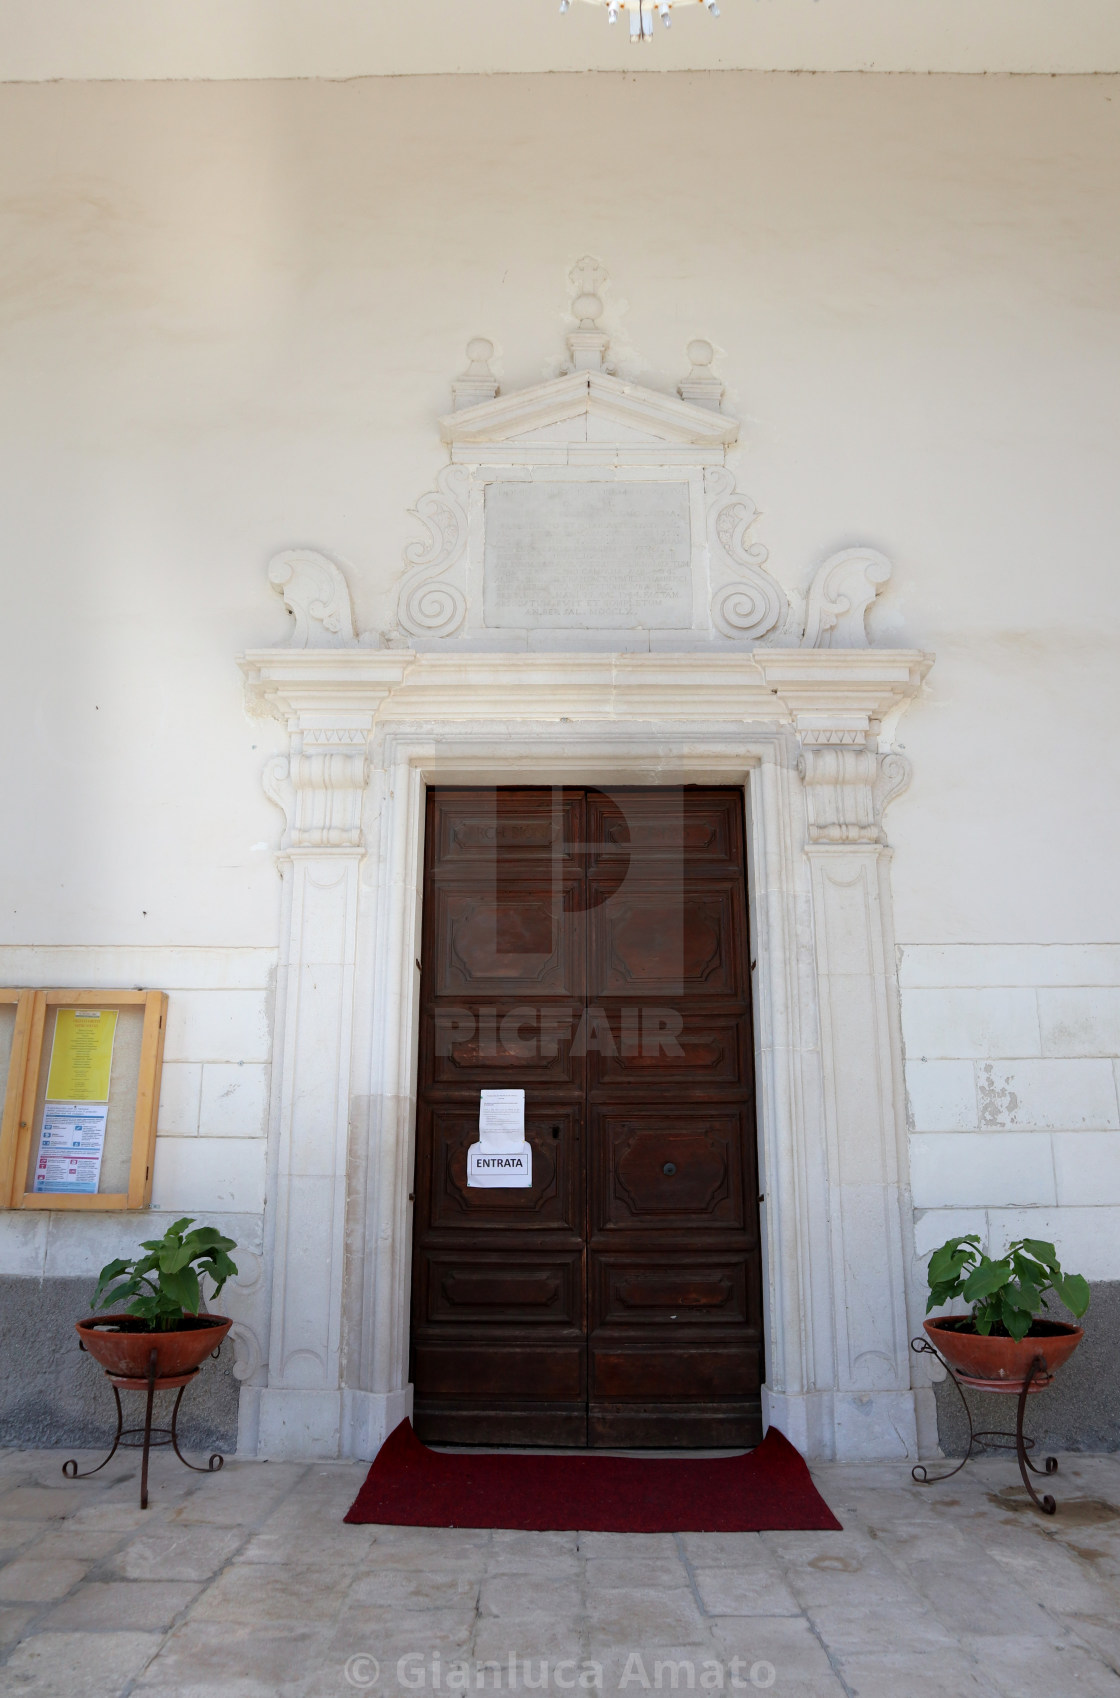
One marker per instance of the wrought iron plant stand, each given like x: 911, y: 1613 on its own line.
x: 143, y: 1438
x: 1038, y: 1378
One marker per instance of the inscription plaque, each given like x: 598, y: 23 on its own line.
x: 589, y: 555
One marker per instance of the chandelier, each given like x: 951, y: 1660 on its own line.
x: 640, y: 13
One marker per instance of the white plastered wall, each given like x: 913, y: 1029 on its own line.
x: 228, y: 321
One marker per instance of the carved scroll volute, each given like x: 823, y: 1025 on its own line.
x: 316, y: 595
x: 754, y: 602
x: 320, y: 787
x: 839, y: 596
x: 432, y: 602
x: 847, y: 789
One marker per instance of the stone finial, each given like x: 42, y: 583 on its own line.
x: 587, y: 344
x: 316, y: 596
x: 701, y: 386
x: 840, y: 594
x: 478, y: 382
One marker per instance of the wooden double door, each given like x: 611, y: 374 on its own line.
x: 592, y: 948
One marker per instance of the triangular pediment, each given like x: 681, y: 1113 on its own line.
x: 637, y: 414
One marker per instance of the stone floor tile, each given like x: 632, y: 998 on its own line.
x: 891, y: 1675
x: 27, y: 1581
x: 454, y: 1550
x: 416, y: 1627
x: 202, y: 1659
x: 852, y: 1628
x: 256, y: 1594
x: 54, y: 1539
x: 554, y: 1554
x: 532, y: 1547
x: 643, y: 1547
x: 847, y: 1576
x: 636, y: 1571
x: 16, y: 1536
x: 533, y: 1636
x: 719, y: 1550
x: 77, y: 1665
x: 239, y: 1494
x: 837, y: 1477
x: 38, y: 1503
x: 13, y: 1619
x: 1032, y: 1668
x: 910, y: 1503
x: 744, y: 1591
x: 528, y: 1594
x: 1100, y: 1634
x: 412, y: 1589
x: 644, y: 1615
x: 347, y: 1545
x: 140, y: 1606
x: 391, y: 1634
x: 951, y: 1674
x: 978, y: 1597
x: 634, y: 1667
x: 800, y: 1663
x: 95, y: 1516
x: 175, y: 1552
x: 1054, y: 1577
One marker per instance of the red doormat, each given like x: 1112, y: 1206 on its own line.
x: 764, y: 1490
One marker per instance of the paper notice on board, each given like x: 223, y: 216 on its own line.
x: 497, y: 1170
x: 501, y: 1119
x: 71, y: 1145
x: 72, y: 1136
x: 82, y: 1055
x: 501, y: 1160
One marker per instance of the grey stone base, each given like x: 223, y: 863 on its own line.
x: 52, y: 1393
x: 1081, y: 1410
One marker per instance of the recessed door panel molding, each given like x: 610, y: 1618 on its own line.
x: 528, y: 1043
x: 590, y: 947
x: 651, y: 1176
x: 554, y: 1200
x: 668, y: 941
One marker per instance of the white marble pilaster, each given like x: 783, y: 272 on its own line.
x: 320, y: 786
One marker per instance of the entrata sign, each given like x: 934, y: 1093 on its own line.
x: 501, y: 1158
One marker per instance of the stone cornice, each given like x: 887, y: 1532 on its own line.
x: 826, y: 695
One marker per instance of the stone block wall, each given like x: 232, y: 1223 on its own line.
x: 211, y: 1149
x: 1012, y: 1076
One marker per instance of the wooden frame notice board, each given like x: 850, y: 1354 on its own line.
x: 125, y: 1180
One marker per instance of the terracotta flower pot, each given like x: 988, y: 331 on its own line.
x: 127, y: 1351
x: 1002, y: 1364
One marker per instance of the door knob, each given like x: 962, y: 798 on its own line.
x: 670, y: 1168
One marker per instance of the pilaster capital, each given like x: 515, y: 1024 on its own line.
x: 319, y: 785
x: 847, y: 788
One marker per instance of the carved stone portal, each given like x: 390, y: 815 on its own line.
x: 592, y: 505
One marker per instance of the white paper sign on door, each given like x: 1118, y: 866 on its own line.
x: 501, y: 1159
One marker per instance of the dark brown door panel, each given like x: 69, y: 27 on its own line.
x: 689, y: 1049
x: 554, y: 1199
x: 551, y: 1371
x: 592, y: 949
x: 487, y: 835
x: 650, y: 827
x: 517, y: 942
x: 509, y: 1287
x: 511, y: 1041
x: 673, y: 1169
x: 658, y: 1425
x: 673, y: 1375
x: 654, y: 1290
x: 671, y: 941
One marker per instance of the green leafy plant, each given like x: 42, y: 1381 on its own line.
x: 166, y: 1285
x: 1006, y: 1295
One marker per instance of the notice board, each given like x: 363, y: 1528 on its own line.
x: 88, y: 1097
